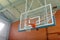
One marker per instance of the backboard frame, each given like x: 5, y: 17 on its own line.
x: 41, y: 26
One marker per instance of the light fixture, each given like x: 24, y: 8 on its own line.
x: 1, y: 25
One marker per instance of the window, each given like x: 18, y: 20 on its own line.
x: 1, y: 25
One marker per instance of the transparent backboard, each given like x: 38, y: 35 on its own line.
x: 41, y: 17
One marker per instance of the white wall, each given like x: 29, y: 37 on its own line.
x: 4, y: 33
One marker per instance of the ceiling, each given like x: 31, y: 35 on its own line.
x: 11, y: 9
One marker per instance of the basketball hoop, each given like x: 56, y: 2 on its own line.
x: 33, y: 25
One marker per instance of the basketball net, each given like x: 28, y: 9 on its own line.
x: 33, y: 25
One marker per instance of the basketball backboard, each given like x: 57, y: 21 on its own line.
x: 42, y: 17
